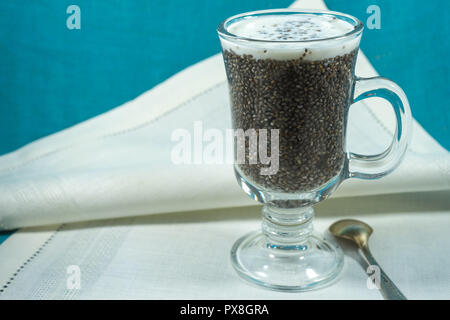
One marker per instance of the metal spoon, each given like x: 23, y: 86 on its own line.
x: 359, y: 232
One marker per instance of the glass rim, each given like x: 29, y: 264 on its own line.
x: 223, y: 32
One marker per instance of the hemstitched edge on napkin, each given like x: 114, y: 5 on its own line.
x: 9, y: 281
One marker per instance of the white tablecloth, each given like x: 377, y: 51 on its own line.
x: 186, y: 255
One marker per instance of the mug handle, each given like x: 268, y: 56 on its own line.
x: 378, y: 165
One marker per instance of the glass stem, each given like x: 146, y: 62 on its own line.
x: 287, y: 229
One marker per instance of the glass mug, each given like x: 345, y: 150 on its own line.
x: 299, y: 86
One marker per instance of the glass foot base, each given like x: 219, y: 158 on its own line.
x: 288, y: 268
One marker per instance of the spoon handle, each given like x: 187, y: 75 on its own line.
x: 388, y: 289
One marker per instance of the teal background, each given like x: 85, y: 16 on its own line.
x: 5, y: 235
x: 52, y: 77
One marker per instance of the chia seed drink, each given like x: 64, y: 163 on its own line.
x: 291, y: 74
x: 295, y: 84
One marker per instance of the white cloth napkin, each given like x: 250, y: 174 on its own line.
x: 118, y: 164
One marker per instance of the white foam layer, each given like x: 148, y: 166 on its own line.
x: 284, y: 29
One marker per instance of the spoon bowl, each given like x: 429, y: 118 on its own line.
x: 351, y: 229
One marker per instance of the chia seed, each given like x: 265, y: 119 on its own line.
x: 307, y: 101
